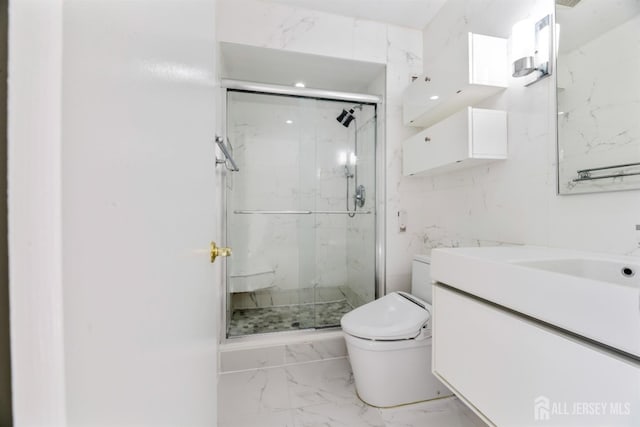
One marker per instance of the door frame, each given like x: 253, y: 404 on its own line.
x: 227, y: 85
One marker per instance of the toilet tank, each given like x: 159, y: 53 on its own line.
x: 421, y: 277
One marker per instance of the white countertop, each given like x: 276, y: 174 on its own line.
x: 590, y: 297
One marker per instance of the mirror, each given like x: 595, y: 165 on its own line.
x: 598, y: 95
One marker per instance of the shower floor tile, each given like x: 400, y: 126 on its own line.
x: 245, y: 321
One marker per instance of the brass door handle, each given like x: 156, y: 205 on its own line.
x: 215, y: 251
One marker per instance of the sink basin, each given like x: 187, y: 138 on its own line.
x: 625, y: 274
x: 593, y: 295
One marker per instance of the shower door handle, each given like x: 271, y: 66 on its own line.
x: 215, y: 251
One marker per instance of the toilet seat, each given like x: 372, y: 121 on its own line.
x: 390, y: 318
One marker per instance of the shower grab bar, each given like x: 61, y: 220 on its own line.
x: 585, y: 174
x: 223, y: 147
x: 265, y: 212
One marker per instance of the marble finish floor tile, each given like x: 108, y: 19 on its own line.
x: 346, y: 414
x: 330, y: 381
x: 322, y: 393
x: 447, y: 412
x: 252, y: 395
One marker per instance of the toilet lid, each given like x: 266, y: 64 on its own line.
x: 392, y: 317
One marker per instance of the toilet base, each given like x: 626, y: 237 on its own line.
x: 393, y: 373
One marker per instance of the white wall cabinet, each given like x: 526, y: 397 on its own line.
x: 515, y: 372
x: 469, y: 70
x: 468, y: 138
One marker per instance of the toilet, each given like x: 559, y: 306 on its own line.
x: 389, y: 344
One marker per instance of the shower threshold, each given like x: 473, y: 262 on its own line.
x: 291, y: 317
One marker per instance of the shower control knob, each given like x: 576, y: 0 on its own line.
x: 215, y: 251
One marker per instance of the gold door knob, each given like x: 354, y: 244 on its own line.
x: 215, y: 251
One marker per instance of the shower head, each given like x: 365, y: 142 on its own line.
x: 346, y: 117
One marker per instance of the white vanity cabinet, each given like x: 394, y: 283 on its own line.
x: 468, y: 138
x: 513, y: 371
x: 468, y: 70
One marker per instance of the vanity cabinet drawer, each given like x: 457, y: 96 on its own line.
x: 510, y: 370
x: 468, y: 138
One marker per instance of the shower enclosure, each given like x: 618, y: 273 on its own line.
x: 300, y: 211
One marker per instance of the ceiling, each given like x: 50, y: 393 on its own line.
x: 274, y: 66
x: 407, y: 13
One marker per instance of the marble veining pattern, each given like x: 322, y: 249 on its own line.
x: 513, y: 202
x: 257, y: 23
x: 322, y: 393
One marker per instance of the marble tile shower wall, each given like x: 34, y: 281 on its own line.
x: 255, y: 23
x: 278, y: 161
x: 293, y: 166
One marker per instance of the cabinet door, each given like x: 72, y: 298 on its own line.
x: 439, y: 146
x: 471, y: 68
x: 488, y: 134
x: 468, y: 138
x: 514, y: 372
x: 488, y: 60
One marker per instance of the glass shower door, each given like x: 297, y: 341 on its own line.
x: 300, y: 260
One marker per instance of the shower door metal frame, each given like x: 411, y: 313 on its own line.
x: 227, y: 85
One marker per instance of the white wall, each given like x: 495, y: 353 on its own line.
x: 34, y: 188
x: 255, y: 23
x: 138, y: 210
x: 404, y: 60
x: 513, y: 201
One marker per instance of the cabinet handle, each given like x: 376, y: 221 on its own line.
x: 427, y: 78
x: 427, y: 139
